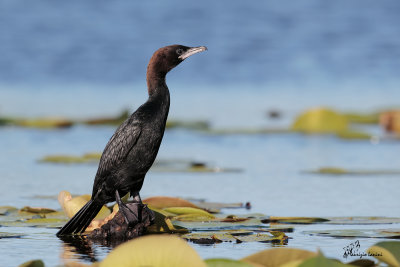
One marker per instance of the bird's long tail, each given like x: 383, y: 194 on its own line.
x: 81, y: 219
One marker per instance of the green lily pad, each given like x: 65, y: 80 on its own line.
x: 321, y: 260
x: 360, y: 118
x: 352, y: 135
x: 361, y: 233
x: 33, y: 263
x: 226, y: 263
x: 191, y: 125
x: 276, y: 237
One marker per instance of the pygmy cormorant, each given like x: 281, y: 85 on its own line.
x: 133, y: 148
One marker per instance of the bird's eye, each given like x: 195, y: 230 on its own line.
x: 179, y: 51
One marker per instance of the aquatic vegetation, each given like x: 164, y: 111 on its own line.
x: 342, y: 171
x: 320, y: 121
x: 164, y: 250
x: 362, y: 118
x: 360, y: 233
x: 278, y: 256
x: 46, y: 123
x: 387, y: 252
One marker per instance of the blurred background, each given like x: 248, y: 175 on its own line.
x: 87, y: 59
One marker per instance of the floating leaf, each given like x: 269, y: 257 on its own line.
x: 189, y: 211
x: 192, y: 125
x: 294, y: 220
x: 359, y: 220
x: 371, y: 118
x: 117, y: 120
x: 388, y: 252
x: 320, y: 120
x: 45, y: 123
x: 10, y: 235
x: 72, y: 205
x: 341, y: 171
x: 32, y: 263
x: 321, y: 260
x: 162, y: 202
x: 350, y: 134
x: 37, y: 210
x: 263, y: 238
x: 226, y: 263
x: 278, y: 256
x: 365, y: 233
x: 165, y: 250
x: 66, y: 159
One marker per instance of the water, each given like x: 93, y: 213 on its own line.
x: 84, y: 59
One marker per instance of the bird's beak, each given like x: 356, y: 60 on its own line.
x: 192, y: 51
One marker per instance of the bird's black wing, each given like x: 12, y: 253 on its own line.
x: 117, y: 149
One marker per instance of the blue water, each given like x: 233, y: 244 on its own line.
x: 85, y: 59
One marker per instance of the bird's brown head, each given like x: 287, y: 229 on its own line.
x: 167, y: 58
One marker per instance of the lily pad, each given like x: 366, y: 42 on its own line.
x: 361, y: 233
x: 161, y: 202
x: 388, y: 252
x: 10, y: 235
x: 191, y: 125
x: 354, y: 135
x: 321, y: 260
x: 226, y: 263
x: 363, y: 118
x: 188, y: 211
x: 45, y: 123
x: 32, y: 263
x: 264, y: 238
x: 37, y: 210
x: 165, y: 250
x: 359, y: 220
x: 294, y: 220
x: 341, y: 171
x: 278, y: 256
x: 320, y: 121
x: 67, y: 159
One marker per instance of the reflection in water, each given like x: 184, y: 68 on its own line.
x: 77, y: 247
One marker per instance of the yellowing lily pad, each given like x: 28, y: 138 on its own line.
x: 154, y: 250
x: 320, y: 121
x: 294, y: 220
x: 72, y: 205
x: 37, y: 210
x: 388, y: 252
x: 162, y: 202
x: 45, y: 123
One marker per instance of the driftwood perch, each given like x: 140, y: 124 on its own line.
x: 118, y: 229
